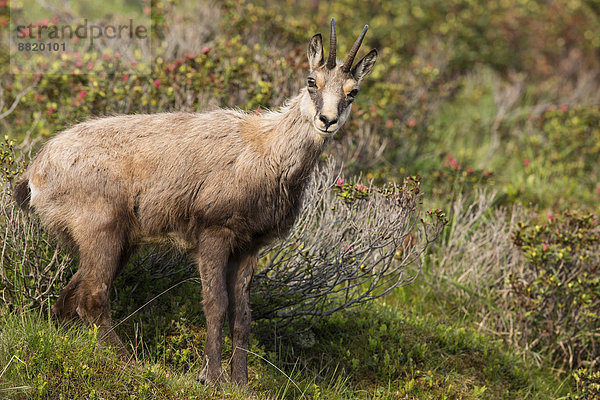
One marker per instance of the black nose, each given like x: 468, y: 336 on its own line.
x: 328, y: 122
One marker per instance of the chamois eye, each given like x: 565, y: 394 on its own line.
x: 311, y: 82
x: 353, y: 93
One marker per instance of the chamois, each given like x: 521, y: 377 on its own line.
x: 222, y: 184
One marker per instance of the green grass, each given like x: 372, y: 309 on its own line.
x: 42, y: 360
x: 377, y: 351
x: 383, y: 351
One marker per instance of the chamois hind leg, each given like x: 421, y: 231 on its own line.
x: 103, y: 252
x: 213, y: 252
x: 239, y: 278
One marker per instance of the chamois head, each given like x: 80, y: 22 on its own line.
x: 332, y: 86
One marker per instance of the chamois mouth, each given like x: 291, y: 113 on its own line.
x: 328, y: 131
x: 325, y: 132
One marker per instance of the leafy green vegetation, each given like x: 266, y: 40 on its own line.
x: 560, y: 292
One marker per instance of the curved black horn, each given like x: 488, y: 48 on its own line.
x: 350, y: 59
x: 331, y: 60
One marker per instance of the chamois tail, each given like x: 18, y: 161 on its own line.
x: 22, y: 194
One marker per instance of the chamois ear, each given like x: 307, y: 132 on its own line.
x: 364, y: 66
x: 315, y: 52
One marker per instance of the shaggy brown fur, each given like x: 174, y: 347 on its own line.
x: 222, y: 184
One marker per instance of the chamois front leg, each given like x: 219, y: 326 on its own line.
x: 239, y: 276
x: 213, y: 253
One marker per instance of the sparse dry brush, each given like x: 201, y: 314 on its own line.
x: 475, y: 259
x: 350, y: 245
x: 32, y: 267
x: 478, y: 246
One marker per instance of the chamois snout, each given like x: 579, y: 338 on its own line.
x: 328, y: 122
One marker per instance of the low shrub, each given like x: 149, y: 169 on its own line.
x: 32, y: 267
x: 349, y: 246
x: 558, y: 293
x: 558, y: 158
x: 454, y: 181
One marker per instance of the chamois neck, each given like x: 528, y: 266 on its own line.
x: 295, y: 145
